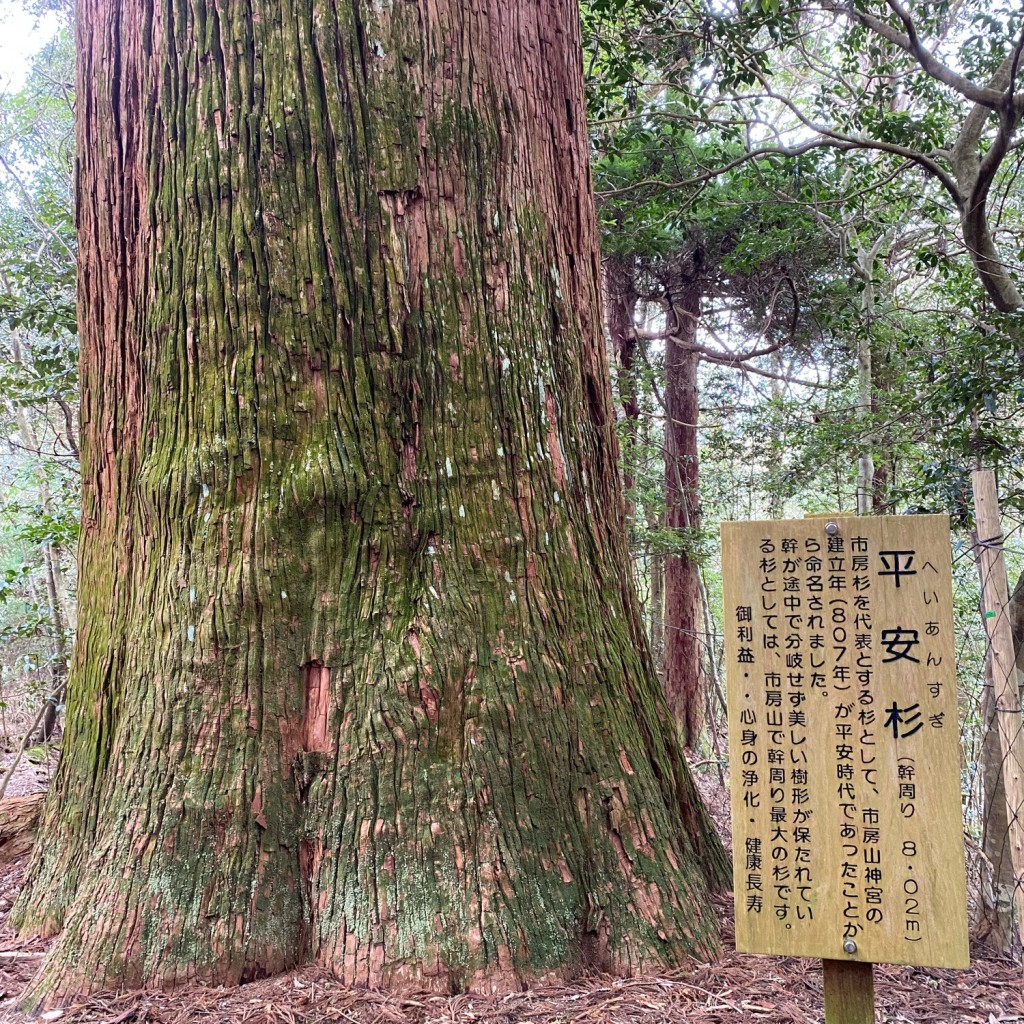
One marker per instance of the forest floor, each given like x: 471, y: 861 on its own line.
x: 32, y: 773
x: 738, y: 989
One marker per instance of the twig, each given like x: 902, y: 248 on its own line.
x: 24, y: 742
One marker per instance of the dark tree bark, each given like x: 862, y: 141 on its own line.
x: 360, y: 677
x: 684, y: 656
x: 621, y: 300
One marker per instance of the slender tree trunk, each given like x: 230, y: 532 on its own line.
x: 62, y: 613
x: 621, y: 299
x: 655, y: 525
x: 620, y: 304
x: 865, y: 382
x: 656, y: 563
x: 683, y: 619
x: 1002, y: 658
x: 865, y: 396
x: 59, y: 659
x: 994, y: 922
x: 367, y: 685
x: 657, y: 611
x: 881, y: 440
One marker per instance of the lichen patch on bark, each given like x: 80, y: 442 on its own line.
x: 370, y: 687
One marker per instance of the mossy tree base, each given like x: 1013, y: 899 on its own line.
x: 359, y: 677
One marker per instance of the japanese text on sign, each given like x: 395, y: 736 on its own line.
x: 845, y: 756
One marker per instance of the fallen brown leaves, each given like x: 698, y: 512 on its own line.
x: 738, y: 989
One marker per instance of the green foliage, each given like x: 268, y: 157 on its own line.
x: 37, y: 244
x: 39, y: 486
x: 807, y: 160
x: 964, y: 389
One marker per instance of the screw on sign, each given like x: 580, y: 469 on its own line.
x: 842, y: 727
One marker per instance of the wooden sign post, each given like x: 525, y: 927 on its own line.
x: 849, y: 992
x: 844, y: 743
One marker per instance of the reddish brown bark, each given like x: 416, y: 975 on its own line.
x: 367, y: 684
x: 621, y: 299
x: 683, y: 626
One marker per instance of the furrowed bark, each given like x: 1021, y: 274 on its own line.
x: 684, y: 656
x: 621, y: 300
x: 19, y: 820
x: 360, y: 677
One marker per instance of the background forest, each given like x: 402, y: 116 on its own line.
x: 812, y: 233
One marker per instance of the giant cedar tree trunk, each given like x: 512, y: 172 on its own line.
x: 683, y: 625
x: 360, y: 678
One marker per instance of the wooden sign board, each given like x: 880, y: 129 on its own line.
x: 844, y: 740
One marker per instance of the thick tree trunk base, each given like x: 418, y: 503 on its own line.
x: 369, y: 686
x: 635, y: 917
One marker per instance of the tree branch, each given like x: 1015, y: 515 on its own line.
x: 975, y: 176
x: 31, y: 209
x: 911, y: 43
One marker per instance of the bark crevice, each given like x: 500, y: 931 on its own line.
x: 374, y: 668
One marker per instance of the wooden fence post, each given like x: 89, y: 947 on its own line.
x: 996, y: 600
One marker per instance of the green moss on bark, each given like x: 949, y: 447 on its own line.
x: 347, y: 411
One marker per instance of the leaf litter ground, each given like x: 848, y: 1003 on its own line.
x: 738, y: 989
